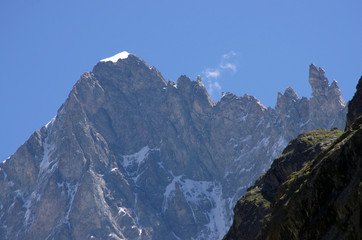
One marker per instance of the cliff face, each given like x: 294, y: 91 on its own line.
x: 254, y: 207
x: 312, y: 191
x: 355, y: 106
x: 326, y: 99
x: 132, y: 156
x: 323, y: 200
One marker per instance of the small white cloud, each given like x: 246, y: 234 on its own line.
x: 228, y: 66
x: 212, y: 73
x: 229, y: 55
x: 216, y: 86
x: 213, y: 86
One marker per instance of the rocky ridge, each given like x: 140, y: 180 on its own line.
x: 253, y: 208
x: 131, y: 156
x: 312, y: 191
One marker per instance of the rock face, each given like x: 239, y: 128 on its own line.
x: 254, y: 207
x: 312, y: 191
x: 131, y: 156
x: 326, y: 99
x: 323, y: 200
x: 355, y: 106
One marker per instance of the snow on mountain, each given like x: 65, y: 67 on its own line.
x: 115, y: 58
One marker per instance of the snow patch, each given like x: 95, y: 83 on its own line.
x: 242, y: 118
x: 331, y: 123
x: 265, y: 141
x: 128, y: 212
x: 50, y: 123
x: 27, y: 205
x: 4, y: 173
x: 132, y: 163
x: 248, y: 150
x: 303, y: 124
x: 197, y: 193
x: 263, y: 108
x: 6, y: 159
x: 115, y: 58
x: 72, y: 190
x: 169, y: 192
x: 136, y: 158
x: 46, y: 166
x: 247, y: 169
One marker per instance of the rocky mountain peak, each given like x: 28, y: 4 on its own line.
x: 321, y: 90
x: 129, y: 78
x: 284, y: 101
x: 334, y: 95
x: 184, y: 82
x: 290, y: 93
x: 318, y: 81
x: 195, y: 93
x: 324, y: 96
x: 129, y: 156
x: 334, y: 84
x: 227, y: 95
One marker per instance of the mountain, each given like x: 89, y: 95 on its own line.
x: 312, y: 191
x: 131, y: 156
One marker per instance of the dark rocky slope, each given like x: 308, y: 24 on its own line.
x: 131, y: 156
x: 309, y: 194
x: 252, y: 209
x: 323, y: 200
x: 355, y: 106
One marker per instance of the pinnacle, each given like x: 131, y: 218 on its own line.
x: 318, y: 81
x: 290, y: 93
x: 334, y: 84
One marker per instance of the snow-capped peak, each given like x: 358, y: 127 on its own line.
x: 115, y: 58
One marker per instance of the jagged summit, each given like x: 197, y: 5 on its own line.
x: 290, y: 93
x: 334, y: 84
x: 130, y: 156
x: 321, y: 90
x: 318, y: 81
x: 285, y: 100
x: 324, y: 96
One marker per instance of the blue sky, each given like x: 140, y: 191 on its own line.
x: 253, y: 47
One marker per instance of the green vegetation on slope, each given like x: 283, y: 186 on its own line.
x: 323, y: 200
x: 254, y: 206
